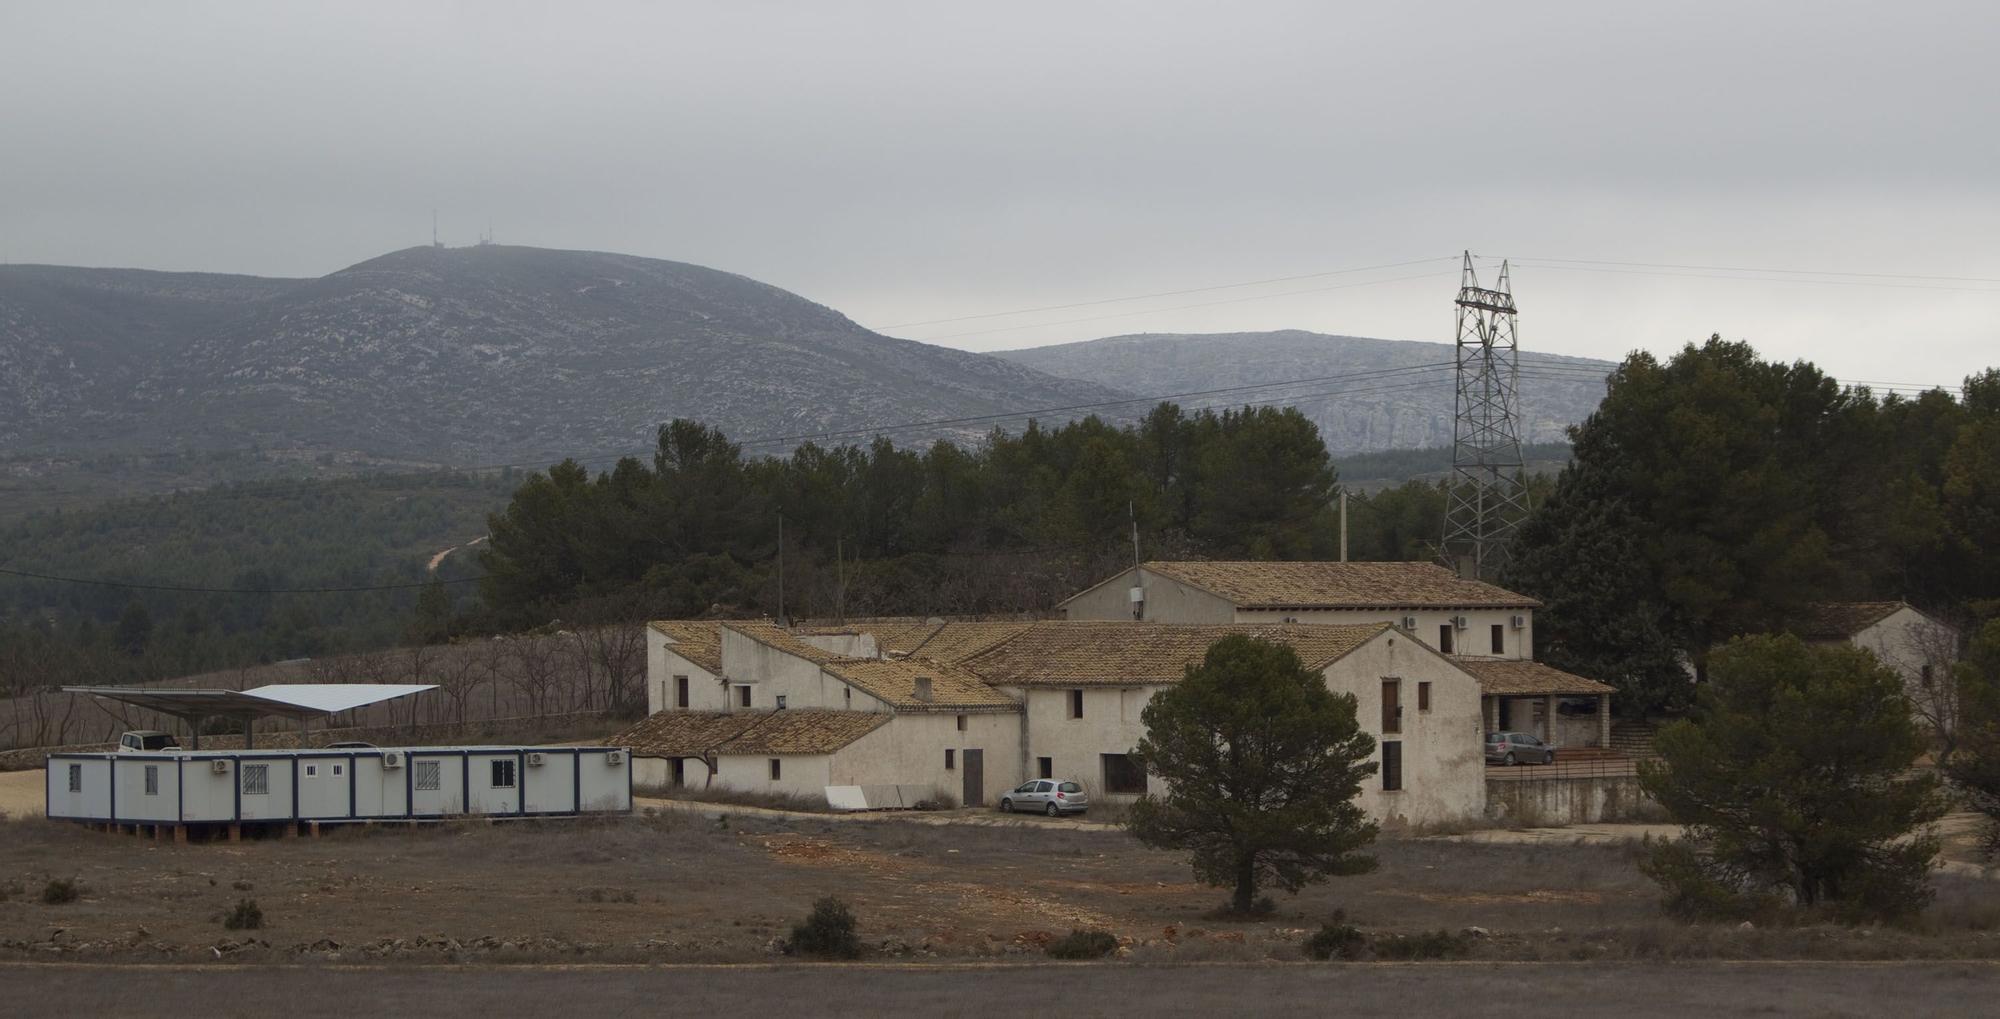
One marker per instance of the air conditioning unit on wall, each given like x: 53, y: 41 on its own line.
x: 1520, y: 622
x: 534, y: 760
x: 1410, y: 623
x: 1458, y: 622
x: 614, y: 758
x: 392, y: 759
x: 218, y: 767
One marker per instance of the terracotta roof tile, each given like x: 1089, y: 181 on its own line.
x: 1110, y: 653
x: 701, y: 733
x: 1836, y: 620
x: 772, y: 635
x: 698, y: 641
x: 894, y: 682
x: 1510, y: 677
x: 956, y: 642
x: 1339, y: 585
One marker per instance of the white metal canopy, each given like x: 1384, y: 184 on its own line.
x: 291, y: 700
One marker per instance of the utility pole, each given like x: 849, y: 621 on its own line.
x: 840, y: 583
x: 1486, y: 501
x: 1343, y: 525
x: 781, y: 569
x: 1137, y: 593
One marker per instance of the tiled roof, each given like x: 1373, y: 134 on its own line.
x: 956, y: 642
x: 702, y: 733
x: 1340, y: 585
x: 894, y: 682
x: 772, y: 635
x: 1832, y: 620
x: 1513, y: 677
x: 1108, y: 653
x: 698, y: 641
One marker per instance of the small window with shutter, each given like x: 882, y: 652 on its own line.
x: 1423, y: 695
x: 1392, y: 765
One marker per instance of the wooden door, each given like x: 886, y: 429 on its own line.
x: 975, y: 778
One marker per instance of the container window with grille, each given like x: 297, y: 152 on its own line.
x: 152, y: 780
x: 429, y: 776
x: 76, y: 778
x: 256, y: 779
x: 503, y: 774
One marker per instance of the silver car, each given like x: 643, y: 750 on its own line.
x: 1050, y: 796
x: 1519, y: 748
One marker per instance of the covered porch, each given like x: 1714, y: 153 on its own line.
x: 1566, y: 710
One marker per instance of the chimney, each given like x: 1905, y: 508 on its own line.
x: 923, y: 692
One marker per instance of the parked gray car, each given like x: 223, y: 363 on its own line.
x: 1053, y: 797
x: 1519, y: 748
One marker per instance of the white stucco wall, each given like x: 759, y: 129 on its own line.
x: 1475, y: 640
x: 1167, y: 601
x: 1444, y: 778
x: 662, y: 665
x: 1170, y: 601
x: 1907, y: 640
x: 910, y: 751
x: 805, y: 775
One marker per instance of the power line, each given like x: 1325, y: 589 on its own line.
x: 1787, y: 272
x: 1163, y: 293
x: 1184, y: 307
x: 1754, y: 279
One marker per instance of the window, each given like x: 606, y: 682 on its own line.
x: 1124, y: 773
x: 743, y: 696
x: 1392, y: 765
x: 503, y: 774
x: 256, y: 780
x: 1392, y: 707
x: 950, y: 759
x: 776, y: 769
x: 1444, y: 638
x: 781, y: 702
x: 961, y: 723
x: 680, y: 691
x: 1499, y: 639
x: 152, y: 780
x: 1045, y: 787
x: 847, y: 695
x: 428, y: 775
x: 338, y: 770
x: 1076, y: 704
x: 312, y: 771
x: 1047, y: 765
x: 1423, y: 695
x: 76, y: 778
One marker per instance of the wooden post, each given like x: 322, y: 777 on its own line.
x: 235, y: 831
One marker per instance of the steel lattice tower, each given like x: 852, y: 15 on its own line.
x: 1486, y: 501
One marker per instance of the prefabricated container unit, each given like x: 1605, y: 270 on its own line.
x: 362, y: 784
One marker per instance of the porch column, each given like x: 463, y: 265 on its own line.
x: 1549, y: 718
x: 1490, y: 708
x: 1604, y: 720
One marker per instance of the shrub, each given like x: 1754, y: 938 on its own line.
x: 1082, y: 944
x: 1432, y: 945
x: 1337, y: 937
x: 827, y: 933
x: 60, y: 890
x: 245, y: 917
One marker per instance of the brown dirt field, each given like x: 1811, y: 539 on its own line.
x: 685, y: 887
x: 22, y: 793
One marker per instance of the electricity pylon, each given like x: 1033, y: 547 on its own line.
x: 1486, y: 502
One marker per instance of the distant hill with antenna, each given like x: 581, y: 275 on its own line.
x: 466, y: 356
x: 1365, y: 394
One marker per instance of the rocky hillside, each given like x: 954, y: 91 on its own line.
x: 464, y: 356
x: 1398, y: 411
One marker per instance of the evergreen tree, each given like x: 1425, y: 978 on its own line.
x: 1261, y: 764
x: 1793, y: 783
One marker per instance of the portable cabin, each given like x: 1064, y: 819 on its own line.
x: 263, y: 787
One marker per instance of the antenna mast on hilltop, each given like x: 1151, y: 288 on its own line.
x: 1486, y: 501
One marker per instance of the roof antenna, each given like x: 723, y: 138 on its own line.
x: 435, y: 243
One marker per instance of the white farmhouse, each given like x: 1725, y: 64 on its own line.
x: 1920, y: 648
x: 905, y: 710
x: 1453, y: 615
x: 1488, y: 629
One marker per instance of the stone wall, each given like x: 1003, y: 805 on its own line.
x: 1560, y: 801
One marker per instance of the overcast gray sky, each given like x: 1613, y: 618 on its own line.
x: 906, y: 162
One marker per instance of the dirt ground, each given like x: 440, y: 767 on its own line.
x: 1633, y: 990
x: 688, y: 886
x: 21, y: 793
